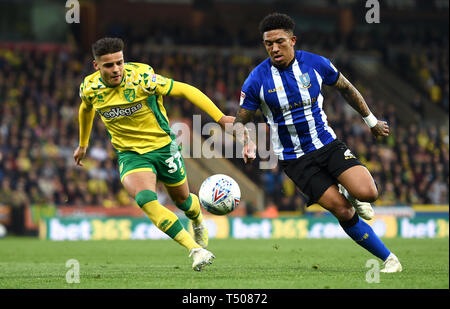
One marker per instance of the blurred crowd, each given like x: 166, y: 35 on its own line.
x: 418, y: 52
x: 39, y: 129
x: 422, y: 57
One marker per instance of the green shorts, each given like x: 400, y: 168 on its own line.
x: 167, y: 163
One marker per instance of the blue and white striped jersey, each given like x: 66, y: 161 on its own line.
x: 291, y: 102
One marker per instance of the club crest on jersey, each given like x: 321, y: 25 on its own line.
x: 305, y: 80
x: 130, y: 95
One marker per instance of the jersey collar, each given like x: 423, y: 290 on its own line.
x: 285, y: 68
x: 104, y: 84
x: 278, y: 70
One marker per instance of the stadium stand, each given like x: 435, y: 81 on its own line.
x: 39, y: 107
x: 38, y: 132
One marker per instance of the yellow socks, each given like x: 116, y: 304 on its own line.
x: 185, y: 239
x: 164, y: 219
x: 191, y: 208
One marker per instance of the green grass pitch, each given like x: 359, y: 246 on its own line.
x: 29, y: 263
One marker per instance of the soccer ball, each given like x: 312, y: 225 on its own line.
x: 219, y: 194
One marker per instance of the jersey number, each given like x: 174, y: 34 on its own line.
x: 170, y: 162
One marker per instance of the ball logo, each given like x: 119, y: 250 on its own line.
x: 220, y: 190
x: 218, y: 194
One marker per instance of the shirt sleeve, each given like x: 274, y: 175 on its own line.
x: 157, y: 84
x: 327, y: 70
x: 83, y: 96
x: 250, y: 94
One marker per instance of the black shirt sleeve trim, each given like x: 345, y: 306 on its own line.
x: 334, y: 83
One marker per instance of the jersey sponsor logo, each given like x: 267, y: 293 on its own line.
x: 294, y: 105
x: 130, y: 94
x: 120, y: 112
x: 275, y: 89
x: 305, y: 80
x: 349, y: 155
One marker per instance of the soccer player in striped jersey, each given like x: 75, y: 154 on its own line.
x: 129, y: 99
x: 286, y: 87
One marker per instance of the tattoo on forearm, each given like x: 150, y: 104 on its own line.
x: 243, y: 116
x: 352, y: 95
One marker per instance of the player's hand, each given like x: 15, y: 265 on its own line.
x: 249, y: 152
x: 380, y: 129
x: 79, y: 155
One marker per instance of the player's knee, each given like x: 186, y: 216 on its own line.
x: 180, y: 198
x: 367, y: 194
x: 145, y: 196
x: 340, y: 208
x: 343, y: 213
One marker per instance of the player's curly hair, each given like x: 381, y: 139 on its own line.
x: 106, y: 46
x: 277, y: 21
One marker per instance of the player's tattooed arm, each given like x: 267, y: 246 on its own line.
x: 355, y: 99
x: 352, y: 95
x: 243, y: 116
x: 242, y: 134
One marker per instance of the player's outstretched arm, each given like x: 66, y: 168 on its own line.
x: 242, y: 135
x: 85, y: 118
x: 200, y: 99
x: 356, y: 100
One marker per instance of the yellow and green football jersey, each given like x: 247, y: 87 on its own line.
x: 133, y: 112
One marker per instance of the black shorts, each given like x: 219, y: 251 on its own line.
x: 316, y: 171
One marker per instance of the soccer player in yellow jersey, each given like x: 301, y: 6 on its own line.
x: 129, y: 99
